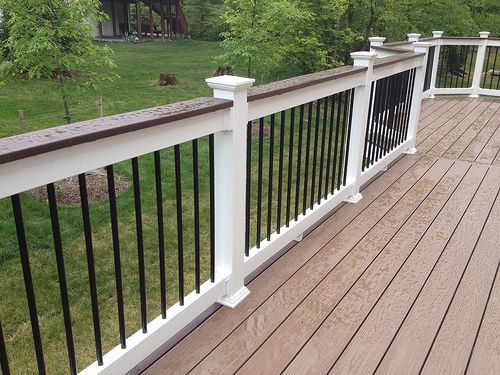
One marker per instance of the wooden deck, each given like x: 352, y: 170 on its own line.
x: 404, y: 282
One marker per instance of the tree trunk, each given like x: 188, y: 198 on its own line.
x: 67, y: 114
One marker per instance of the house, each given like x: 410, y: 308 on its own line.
x: 125, y: 17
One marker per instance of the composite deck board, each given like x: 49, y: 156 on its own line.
x: 452, y: 346
x: 446, y: 133
x: 376, y: 256
x: 484, y: 358
x: 474, y: 149
x: 448, y: 120
x: 384, y: 215
x: 195, y: 347
x: 338, y: 331
x: 491, y: 150
x: 459, y: 146
x: 414, y: 338
x: 389, y: 284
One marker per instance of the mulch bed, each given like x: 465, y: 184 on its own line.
x: 68, y: 190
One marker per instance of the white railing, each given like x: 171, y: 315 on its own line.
x: 229, y: 126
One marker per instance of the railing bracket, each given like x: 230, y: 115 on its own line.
x: 354, y: 198
x: 411, y: 151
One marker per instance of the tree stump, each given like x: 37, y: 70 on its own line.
x: 167, y: 79
x: 223, y: 71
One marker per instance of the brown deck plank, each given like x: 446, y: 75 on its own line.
x: 409, y: 348
x: 445, y: 111
x: 387, y: 257
x: 328, y: 343
x: 448, y: 120
x: 190, y: 351
x: 450, y: 131
x: 229, y: 356
x: 486, y: 353
x: 434, y: 107
x: 453, y: 345
x: 459, y: 146
x: 475, y: 148
x: 490, y: 151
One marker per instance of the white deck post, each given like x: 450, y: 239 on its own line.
x: 418, y: 87
x: 359, y: 123
x: 435, y: 64
x: 413, y: 37
x: 478, y: 69
x: 230, y: 176
x: 376, y: 41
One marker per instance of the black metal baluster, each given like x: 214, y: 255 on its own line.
x: 465, y: 64
x: 290, y: 167
x: 460, y: 51
x: 299, y: 162
x: 383, y: 123
x: 412, y: 85
x: 116, y: 254
x: 343, y: 140
x: 259, y: 182
x: 280, y: 171
x: 369, y: 124
x: 270, y: 182
x: 180, y: 239
x: 315, y: 151
x: 28, y: 282
x: 4, y: 361
x: 248, y: 188
x: 336, y: 146
x: 349, y: 127
x: 379, y: 96
x: 330, y: 144
x: 448, y: 53
x: 211, y: 152
x: 486, y: 63
x: 161, y: 234
x: 140, y: 244
x: 322, y: 152
x: 404, y: 110
x: 308, y: 152
x: 470, y: 65
x: 61, y: 272
x: 196, y: 208
x: 399, y: 99
x: 493, y: 67
x: 91, y: 266
x: 389, y: 115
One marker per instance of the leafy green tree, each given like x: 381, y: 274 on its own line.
x: 204, y: 18
x: 266, y: 36
x: 52, y: 39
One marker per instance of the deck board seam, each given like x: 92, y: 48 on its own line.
x: 320, y: 281
x: 430, y: 273
x: 378, y: 254
x: 459, y: 282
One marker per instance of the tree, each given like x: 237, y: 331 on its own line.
x: 203, y: 17
x: 52, y: 39
x: 265, y: 36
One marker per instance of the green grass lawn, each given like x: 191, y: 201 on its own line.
x: 139, y: 67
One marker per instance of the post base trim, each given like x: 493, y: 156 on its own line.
x: 235, y: 299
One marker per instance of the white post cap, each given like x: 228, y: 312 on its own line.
x: 437, y: 34
x: 413, y: 37
x: 230, y: 83
x: 484, y: 34
x: 376, y: 41
x: 421, y: 46
x: 363, y: 58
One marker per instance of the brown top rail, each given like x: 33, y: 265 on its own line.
x: 42, y: 141
x: 395, y: 59
x: 295, y: 83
